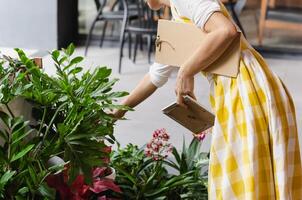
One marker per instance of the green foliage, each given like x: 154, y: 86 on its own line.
x: 143, y: 178
x: 71, y: 121
x: 191, y: 159
x: 21, y: 173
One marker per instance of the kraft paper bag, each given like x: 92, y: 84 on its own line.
x: 177, y: 41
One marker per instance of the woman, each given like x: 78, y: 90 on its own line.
x: 254, y: 150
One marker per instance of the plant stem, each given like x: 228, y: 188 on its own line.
x: 9, y: 110
x: 42, y: 121
x: 52, y: 120
x: 48, y: 127
x: 9, y: 148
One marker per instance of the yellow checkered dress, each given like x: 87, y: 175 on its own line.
x: 254, y: 151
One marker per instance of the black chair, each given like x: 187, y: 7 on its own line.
x: 116, y: 13
x: 144, y: 26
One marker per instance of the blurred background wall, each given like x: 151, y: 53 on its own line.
x: 38, y: 24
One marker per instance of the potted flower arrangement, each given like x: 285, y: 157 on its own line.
x: 143, y: 173
x: 70, y: 122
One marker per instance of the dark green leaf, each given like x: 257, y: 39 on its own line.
x: 76, y: 60
x: 70, y: 49
x: 47, y: 192
x: 55, y: 54
x: 23, y: 191
x: 22, y: 153
x: 6, y: 177
x: 76, y: 70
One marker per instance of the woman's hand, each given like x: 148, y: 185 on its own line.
x: 184, y: 86
x: 118, y: 114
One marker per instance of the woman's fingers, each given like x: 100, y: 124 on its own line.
x: 191, y: 94
x: 180, y: 100
x: 184, y: 86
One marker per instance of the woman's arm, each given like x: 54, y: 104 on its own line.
x: 221, y: 32
x: 142, y: 91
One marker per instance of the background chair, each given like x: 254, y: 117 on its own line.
x: 274, y: 17
x: 145, y: 26
x: 115, y: 13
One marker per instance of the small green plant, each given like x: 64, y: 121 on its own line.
x: 191, y: 159
x: 142, y: 173
x: 71, y: 121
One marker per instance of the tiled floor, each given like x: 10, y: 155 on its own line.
x: 148, y: 116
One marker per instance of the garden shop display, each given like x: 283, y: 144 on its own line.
x: 68, y: 120
x: 143, y: 173
x: 55, y: 134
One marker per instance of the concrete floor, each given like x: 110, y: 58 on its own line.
x: 147, y: 117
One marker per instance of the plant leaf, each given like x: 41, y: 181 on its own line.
x: 22, y: 153
x: 6, y: 177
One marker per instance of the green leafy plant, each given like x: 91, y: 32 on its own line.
x: 70, y: 121
x: 141, y: 175
x: 191, y: 159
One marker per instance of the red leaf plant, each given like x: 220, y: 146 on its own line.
x: 79, y: 190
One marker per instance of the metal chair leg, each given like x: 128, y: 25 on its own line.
x: 122, y: 41
x: 112, y: 29
x: 103, y: 33
x: 89, y: 35
x: 129, y: 45
x: 121, y: 54
x: 135, y: 48
x: 149, y: 48
x: 141, y: 41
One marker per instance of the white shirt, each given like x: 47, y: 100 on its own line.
x: 198, y: 11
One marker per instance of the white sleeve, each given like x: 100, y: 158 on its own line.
x: 160, y: 73
x: 201, y: 10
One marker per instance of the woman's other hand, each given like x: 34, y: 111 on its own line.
x: 184, y: 86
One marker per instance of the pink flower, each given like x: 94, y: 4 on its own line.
x: 159, y: 147
x: 201, y: 136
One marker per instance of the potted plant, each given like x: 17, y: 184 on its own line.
x: 142, y: 173
x: 71, y: 122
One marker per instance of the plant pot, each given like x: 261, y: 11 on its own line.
x: 111, y: 176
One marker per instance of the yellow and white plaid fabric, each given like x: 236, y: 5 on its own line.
x: 254, y: 151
